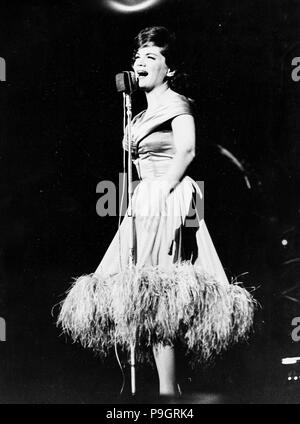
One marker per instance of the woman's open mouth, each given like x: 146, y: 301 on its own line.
x: 142, y: 74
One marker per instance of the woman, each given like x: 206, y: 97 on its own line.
x: 178, y: 290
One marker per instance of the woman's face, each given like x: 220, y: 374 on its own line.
x: 150, y: 67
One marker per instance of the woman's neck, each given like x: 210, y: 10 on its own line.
x: 154, y: 96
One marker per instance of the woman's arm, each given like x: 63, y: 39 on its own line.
x: 184, y: 134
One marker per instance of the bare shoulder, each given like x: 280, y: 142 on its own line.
x: 176, y: 96
x: 179, y: 99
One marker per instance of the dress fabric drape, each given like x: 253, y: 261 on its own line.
x: 177, y: 289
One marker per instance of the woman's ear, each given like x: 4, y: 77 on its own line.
x: 170, y: 73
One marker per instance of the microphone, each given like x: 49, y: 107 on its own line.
x: 126, y: 82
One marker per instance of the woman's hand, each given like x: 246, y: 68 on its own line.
x: 165, y: 189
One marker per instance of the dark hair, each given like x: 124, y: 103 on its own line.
x: 166, y: 40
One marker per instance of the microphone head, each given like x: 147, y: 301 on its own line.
x: 126, y: 82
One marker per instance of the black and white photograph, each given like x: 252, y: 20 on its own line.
x: 150, y: 204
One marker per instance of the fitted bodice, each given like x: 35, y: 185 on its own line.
x: 152, y: 136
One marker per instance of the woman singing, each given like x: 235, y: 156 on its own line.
x: 177, y: 291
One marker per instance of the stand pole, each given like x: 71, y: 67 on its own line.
x: 130, y: 216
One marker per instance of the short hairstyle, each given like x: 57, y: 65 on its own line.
x: 161, y: 37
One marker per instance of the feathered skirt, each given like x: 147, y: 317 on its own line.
x: 176, y: 290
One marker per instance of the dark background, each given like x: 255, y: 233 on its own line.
x: 60, y: 132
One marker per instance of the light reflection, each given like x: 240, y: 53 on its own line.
x: 288, y: 361
x: 130, y: 6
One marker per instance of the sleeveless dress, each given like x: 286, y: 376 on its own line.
x: 177, y: 290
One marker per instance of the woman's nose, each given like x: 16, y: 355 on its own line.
x: 140, y: 62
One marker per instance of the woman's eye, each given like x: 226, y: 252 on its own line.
x: 147, y: 57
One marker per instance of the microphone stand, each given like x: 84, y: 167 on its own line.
x: 127, y: 102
